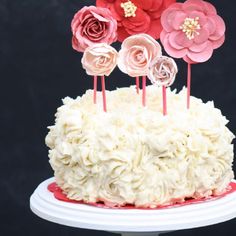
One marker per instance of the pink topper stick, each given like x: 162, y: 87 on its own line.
x: 104, y: 93
x: 137, y: 84
x: 188, y: 85
x: 95, y: 79
x: 164, y: 100
x: 144, y: 90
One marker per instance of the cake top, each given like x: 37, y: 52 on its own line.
x: 189, y: 31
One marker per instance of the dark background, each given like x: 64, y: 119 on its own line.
x: 38, y: 67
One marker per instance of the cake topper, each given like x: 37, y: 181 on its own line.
x: 136, y: 16
x: 189, y: 30
x: 137, y: 51
x: 92, y: 25
x: 192, y: 30
x: 99, y: 60
x: 162, y: 72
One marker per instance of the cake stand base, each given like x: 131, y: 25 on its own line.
x: 131, y: 222
x: 140, y: 234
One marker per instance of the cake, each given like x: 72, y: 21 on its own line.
x: 132, y: 155
x: 148, y: 147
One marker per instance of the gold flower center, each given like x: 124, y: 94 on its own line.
x: 129, y: 8
x: 190, y: 27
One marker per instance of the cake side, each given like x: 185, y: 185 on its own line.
x: 135, y: 155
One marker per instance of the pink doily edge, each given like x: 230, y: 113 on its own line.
x: 59, y: 195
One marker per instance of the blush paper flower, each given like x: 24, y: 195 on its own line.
x: 136, y: 53
x: 99, y: 59
x: 92, y: 25
x: 162, y: 71
x: 136, y: 16
x: 192, y: 30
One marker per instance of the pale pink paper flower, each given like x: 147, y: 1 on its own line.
x: 99, y: 59
x: 137, y: 51
x: 192, y: 30
x: 92, y: 25
x: 162, y: 71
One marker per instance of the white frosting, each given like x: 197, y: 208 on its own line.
x: 136, y: 155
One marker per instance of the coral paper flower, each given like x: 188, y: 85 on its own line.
x: 92, y: 25
x: 99, y: 59
x: 136, y: 53
x: 137, y: 16
x: 192, y: 30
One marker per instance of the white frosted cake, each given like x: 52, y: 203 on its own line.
x: 135, y: 155
x: 148, y: 148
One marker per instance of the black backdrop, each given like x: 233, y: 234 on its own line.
x: 38, y: 67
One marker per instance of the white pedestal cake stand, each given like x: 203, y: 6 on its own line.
x: 131, y: 222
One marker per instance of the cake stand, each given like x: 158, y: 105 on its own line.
x: 131, y: 222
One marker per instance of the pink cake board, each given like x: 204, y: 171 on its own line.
x: 59, y: 195
x: 132, y: 221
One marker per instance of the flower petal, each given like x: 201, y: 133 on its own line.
x: 210, y: 25
x: 188, y: 60
x: 114, y: 13
x: 163, y: 35
x: 167, y: 3
x: 75, y: 44
x: 168, y: 17
x: 155, y: 29
x: 217, y: 43
x: 209, y: 9
x: 122, y: 34
x: 138, y: 24
x: 120, y: 62
x: 172, y: 40
x: 158, y: 7
x: 198, y: 47
x: 178, y: 19
x: 193, y: 5
x: 99, y: 17
x: 102, y: 3
x: 202, y: 36
x: 147, y: 4
x: 220, y: 28
x: 181, y: 40
x: 173, y: 51
x: 202, y: 18
x: 202, y: 56
x: 142, y: 39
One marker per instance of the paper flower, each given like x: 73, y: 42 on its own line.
x: 162, y: 71
x: 99, y: 59
x: 137, y: 16
x: 192, y: 30
x: 93, y: 25
x: 136, y: 53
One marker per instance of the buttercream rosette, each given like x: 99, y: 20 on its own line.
x: 132, y: 156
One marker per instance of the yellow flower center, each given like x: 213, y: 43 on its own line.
x: 190, y: 27
x: 129, y: 8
